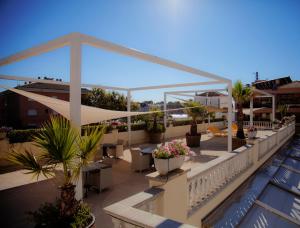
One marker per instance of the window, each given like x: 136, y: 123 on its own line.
x: 32, y: 112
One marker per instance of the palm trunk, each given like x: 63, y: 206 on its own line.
x: 68, y: 203
x: 240, y: 122
x: 193, y: 130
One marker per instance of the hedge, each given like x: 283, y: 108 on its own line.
x: 19, y: 136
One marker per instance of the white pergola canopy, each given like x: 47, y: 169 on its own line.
x: 76, y: 40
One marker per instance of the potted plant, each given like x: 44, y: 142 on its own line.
x: 170, y: 157
x: 195, y: 111
x: 241, y: 94
x: 63, y: 144
x: 154, y: 128
x: 276, y: 124
x: 252, y: 131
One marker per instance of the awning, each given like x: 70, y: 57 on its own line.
x: 88, y: 114
x: 246, y: 111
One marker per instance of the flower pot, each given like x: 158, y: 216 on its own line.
x: 252, y: 134
x: 193, y: 140
x: 155, y: 138
x: 163, y: 166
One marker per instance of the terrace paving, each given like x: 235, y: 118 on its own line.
x: 19, y: 193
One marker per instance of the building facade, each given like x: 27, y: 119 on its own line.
x: 21, y: 112
x: 286, y: 92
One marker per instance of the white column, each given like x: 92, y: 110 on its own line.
x: 251, y: 111
x: 129, y: 118
x: 165, y: 109
x: 273, y: 108
x: 229, y: 117
x: 75, y: 99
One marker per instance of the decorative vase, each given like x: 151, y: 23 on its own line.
x: 252, y: 134
x: 163, y: 166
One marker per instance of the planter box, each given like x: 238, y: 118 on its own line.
x: 193, y: 140
x: 163, y: 166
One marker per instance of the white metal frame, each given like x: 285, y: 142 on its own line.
x: 265, y: 94
x: 187, y: 93
x: 75, y: 42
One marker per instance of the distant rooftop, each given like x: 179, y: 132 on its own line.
x: 272, y: 84
x: 210, y: 94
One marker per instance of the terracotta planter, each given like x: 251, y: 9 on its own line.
x: 252, y: 134
x: 193, y: 140
x: 155, y: 138
x: 163, y: 166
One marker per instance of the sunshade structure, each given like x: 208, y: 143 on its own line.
x: 191, y: 93
x: 76, y: 40
x: 88, y: 114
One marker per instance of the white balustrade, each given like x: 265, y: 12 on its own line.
x: 203, y: 185
x: 259, y: 124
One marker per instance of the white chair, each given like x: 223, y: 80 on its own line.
x: 139, y: 161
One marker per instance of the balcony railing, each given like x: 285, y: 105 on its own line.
x: 260, y: 124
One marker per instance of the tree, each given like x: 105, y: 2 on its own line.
x: 196, y: 111
x: 61, y: 143
x: 282, y: 109
x: 108, y: 100
x: 241, y: 94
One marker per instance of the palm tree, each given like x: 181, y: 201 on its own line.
x: 196, y: 111
x: 282, y: 109
x: 241, y: 94
x: 61, y: 143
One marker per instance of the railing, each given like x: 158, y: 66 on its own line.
x: 139, y: 211
x: 203, y: 185
x: 259, y: 124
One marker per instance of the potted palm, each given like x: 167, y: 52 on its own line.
x: 197, y: 112
x: 61, y: 144
x: 170, y: 157
x: 154, y: 127
x: 240, y: 94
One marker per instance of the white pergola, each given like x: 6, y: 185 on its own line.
x: 187, y: 93
x: 76, y: 40
x: 264, y: 94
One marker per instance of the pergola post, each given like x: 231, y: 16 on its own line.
x: 165, y: 110
x: 129, y: 117
x: 273, y: 108
x: 229, y: 117
x: 75, y: 99
x: 251, y: 111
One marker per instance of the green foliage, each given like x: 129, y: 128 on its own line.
x: 60, y: 143
x: 48, y: 216
x: 241, y: 93
x: 195, y: 110
x: 282, y: 109
x: 153, y: 121
x: 108, y: 100
x: 19, y: 136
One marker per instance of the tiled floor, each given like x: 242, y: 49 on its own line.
x: 20, y: 194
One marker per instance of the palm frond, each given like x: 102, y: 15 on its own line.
x: 29, y: 162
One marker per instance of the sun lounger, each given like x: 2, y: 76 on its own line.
x: 216, y: 131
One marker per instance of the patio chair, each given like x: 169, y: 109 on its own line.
x: 216, y: 131
x: 139, y: 161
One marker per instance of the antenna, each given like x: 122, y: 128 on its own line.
x: 256, y: 76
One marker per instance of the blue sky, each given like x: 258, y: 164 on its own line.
x: 230, y: 38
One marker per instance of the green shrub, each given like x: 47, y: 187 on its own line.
x: 19, y: 136
x: 48, y: 215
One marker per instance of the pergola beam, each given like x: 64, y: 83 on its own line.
x: 28, y: 79
x: 34, y: 51
x: 166, y: 86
